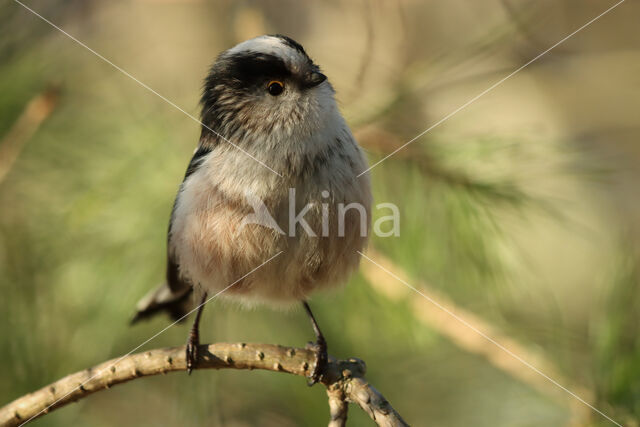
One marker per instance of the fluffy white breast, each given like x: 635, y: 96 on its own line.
x: 214, y: 247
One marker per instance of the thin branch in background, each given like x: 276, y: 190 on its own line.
x: 522, y: 24
x: 355, y: 91
x: 438, y: 320
x: 380, y: 142
x: 344, y: 379
x: 36, y: 112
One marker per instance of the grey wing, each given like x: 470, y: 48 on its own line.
x: 173, y: 296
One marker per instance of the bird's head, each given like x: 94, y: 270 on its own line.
x: 266, y: 88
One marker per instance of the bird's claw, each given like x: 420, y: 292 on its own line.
x: 320, y: 351
x: 192, y: 352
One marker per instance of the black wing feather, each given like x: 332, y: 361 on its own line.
x: 175, y: 300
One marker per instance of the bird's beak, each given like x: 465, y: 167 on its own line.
x: 314, y: 78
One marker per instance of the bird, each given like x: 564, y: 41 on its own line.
x: 271, y: 132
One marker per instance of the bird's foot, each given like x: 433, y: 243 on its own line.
x: 320, y: 351
x: 192, y: 350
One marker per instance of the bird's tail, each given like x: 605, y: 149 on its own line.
x: 163, y: 299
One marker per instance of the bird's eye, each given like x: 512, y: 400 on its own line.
x: 275, y: 87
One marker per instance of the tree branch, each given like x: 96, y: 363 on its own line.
x: 343, y: 379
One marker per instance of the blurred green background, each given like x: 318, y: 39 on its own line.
x: 522, y: 209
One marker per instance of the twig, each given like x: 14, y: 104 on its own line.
x: 355, y: 91
x: 36, y: 111
x: 469, y: 341
x: 521, y: 20
x: 343, y: 379
x: 338, y: 407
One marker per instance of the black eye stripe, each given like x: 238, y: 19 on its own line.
x: 252, y: 67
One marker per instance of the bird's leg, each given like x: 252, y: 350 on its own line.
x: 194, y: 337
x: 320, y: 348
